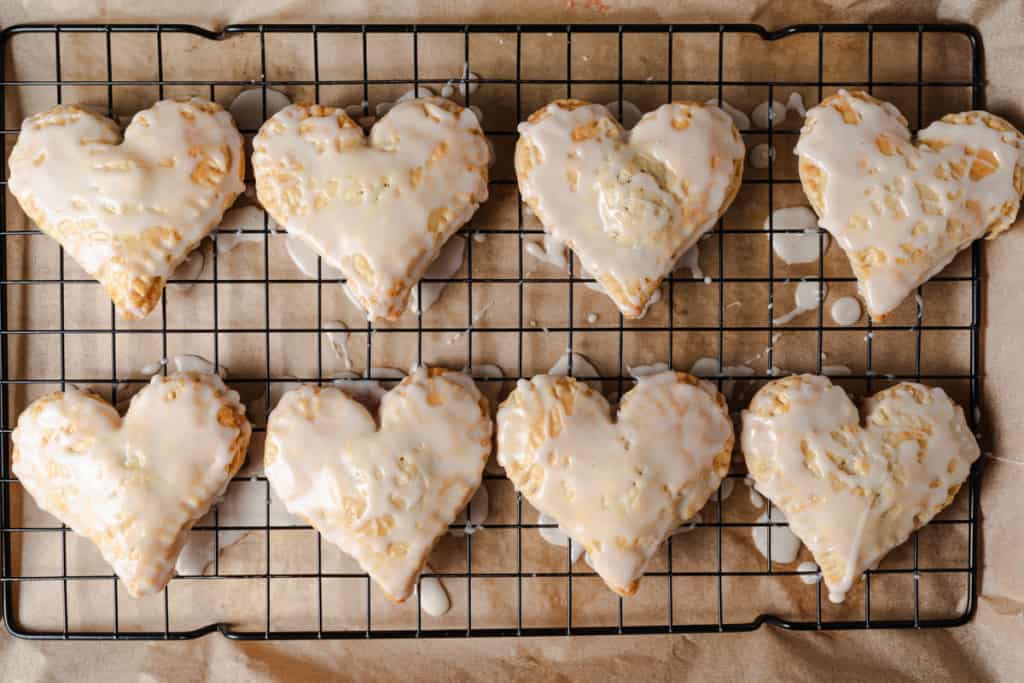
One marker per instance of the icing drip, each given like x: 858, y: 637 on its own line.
x: 739, y: 119
x: 761, y: 156
x: 243, y: 220
x: 247, y: 107
x: 477, y: 514
x: 846, y: 311
x: 557, y: 536
x: 809, y: 567
x: 784, y: 545
x: 800, y: 247
x: 769, y: 114
x: 444, y: 266
x: 809, y: 295
x: 581, y: 367
x: 338, y: 339
x: 433, y: 597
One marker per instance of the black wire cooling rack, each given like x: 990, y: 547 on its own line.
x: 908, y: 63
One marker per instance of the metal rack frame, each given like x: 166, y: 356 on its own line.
x: 812, y: 621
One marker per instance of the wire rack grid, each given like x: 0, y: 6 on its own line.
x: 691, y: 61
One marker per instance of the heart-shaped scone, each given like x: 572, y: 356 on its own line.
x: 852, y: 493
x: 619, y: 486
x: 628, y: 204
x: 135, y: 485
x: 380, y: 208
x: 383, y: 491
x: 901, y: 210
x: 129, y: 210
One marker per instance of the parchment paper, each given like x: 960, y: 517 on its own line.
x: 986, y: 649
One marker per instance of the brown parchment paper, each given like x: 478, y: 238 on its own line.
x: 986, y: 649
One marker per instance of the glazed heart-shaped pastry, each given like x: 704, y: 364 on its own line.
x: 129, y: 210
x: 901, y: 210
x: 383, y: 491
x: 854, y: 486
x: 380, y: 208
x: 135, y: 485
x: 629, y: 204
x: 618, y: 486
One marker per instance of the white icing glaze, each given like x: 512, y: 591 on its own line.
x: 761, y: 156
x: 796, y: 247
x: 725, y: 490
x: 470, y: 81
x: 901, y: 211
x: 710, y: 367
x: 629, y: 204
x: 551, y: 251
x: 851, y: 492
x: 846, y: 311
x: 756, y: 499
x: 705, y: 367
x: 304, y: 257
x: 243, y: 220
x: 477, y: 509
x: 125, y: 483
x: 618, y: 487
x: 690, y: 260
x: 795, y: 103
x: 739, y: 118
x: 433, y: 597
x: 768, y: 114
x: 247, y: 107
x: 384, y: 108
x: 444, y: 266
x: 191, y: 363
x: 645, y: 370
x: 581, y: 367
x: 152, y: 368
x: 784, y: 545
x: 338, y: 340
x: 809, y: 567
x: 128, y: 210
x: 557, y: 536
x: 808, y: 296
x: 369, y: 392
x: 382, y: 494
x: 378, y: 208
x: 688, y: 525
